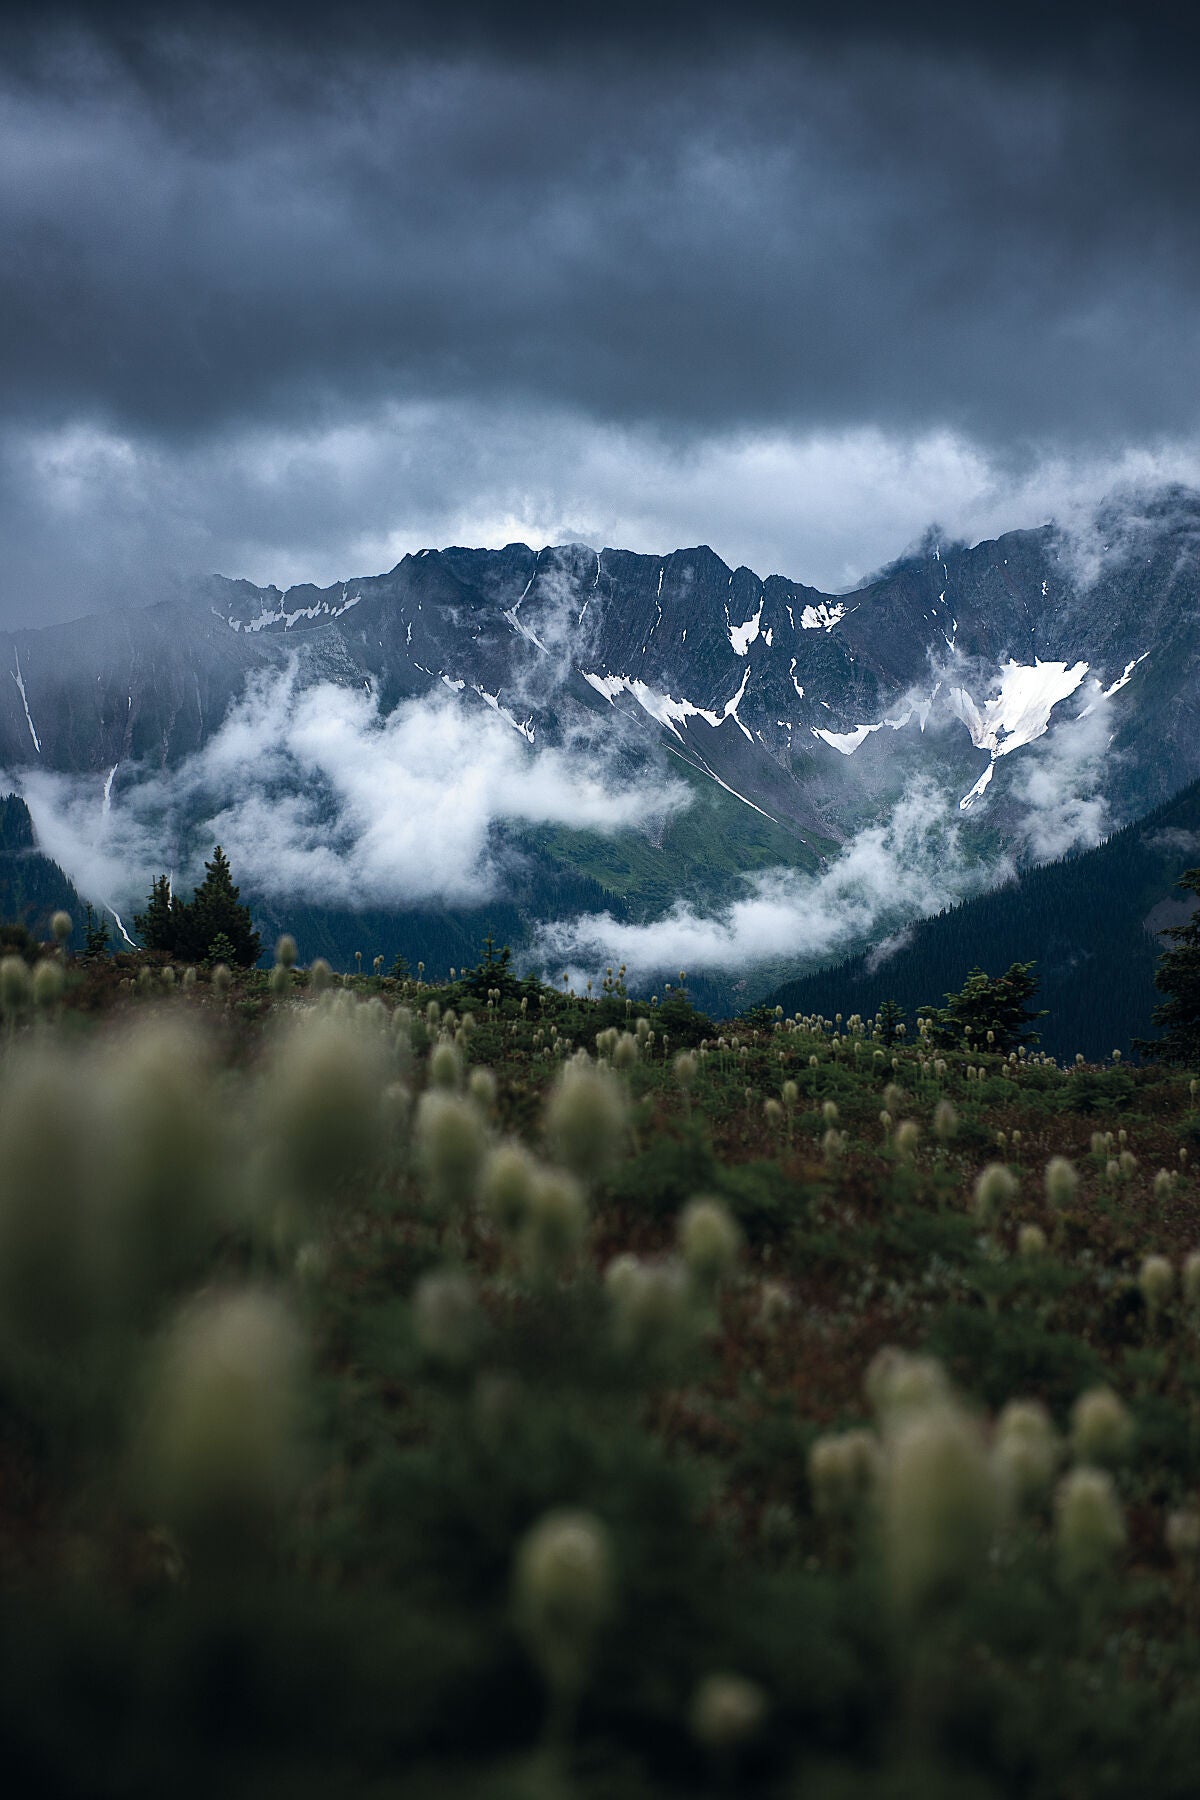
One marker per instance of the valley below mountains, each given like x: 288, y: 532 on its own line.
x: 613, y: 758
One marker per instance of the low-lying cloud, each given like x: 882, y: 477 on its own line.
x: 915, y: 862
x: 1174, y: 840
x: 319, y: 797
x: 1060, y: 783
x: 922, y: 858
x: 316, y: 795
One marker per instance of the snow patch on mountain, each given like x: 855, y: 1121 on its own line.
x: 121, y: 927
x: 20, y: 681
x: 524, y: 630
x: 668, y: 711
x: 742, y: 636
x: 1021, y: 710
x: 1101, y: 693
x: 1122, y: 679
x: 848, y: 741
x: 525, y: 726
x: 731, y: 707
x: 968, y: 800
x: 279, y: 615
x: 822, y: 617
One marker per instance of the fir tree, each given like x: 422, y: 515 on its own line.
x: 158, y: 926
x: 191, y: 929
x: 215, y: 912
x: 987, y: 1003
x: 221, y: 949
x: 494, y: 971
x: 95, y: 936
x: 1178, y: 977
x: 891, y: 1017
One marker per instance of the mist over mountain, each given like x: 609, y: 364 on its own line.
x: 657, y: 760
x: 1091, y: 923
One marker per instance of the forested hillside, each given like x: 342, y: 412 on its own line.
x: 31, y: 886
x: 1089, y: 921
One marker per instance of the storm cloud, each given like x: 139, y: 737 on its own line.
x: 288, y: 291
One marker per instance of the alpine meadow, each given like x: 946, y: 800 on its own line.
x: 599, y: 901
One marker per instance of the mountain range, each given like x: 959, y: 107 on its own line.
x: 615, y: 756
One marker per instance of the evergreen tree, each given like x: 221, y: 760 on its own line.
x: 987, y: 1003
x: 1178, y: 977
x: 191, y: 929
x: 95, y: 936
x: 493, y: 971
x: 215, y: 912
x: 158, y: 927
x: 891, y: 1017
x: 221, y: 949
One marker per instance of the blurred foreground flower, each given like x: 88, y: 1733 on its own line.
x: 221, y: 1445
x: 563, y: 1592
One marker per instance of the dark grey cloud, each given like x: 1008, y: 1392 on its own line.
x: 232, y: 226
x: 865, y: 238
x: 1103, y: 33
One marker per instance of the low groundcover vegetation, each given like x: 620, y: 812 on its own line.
x: 483, y: 1390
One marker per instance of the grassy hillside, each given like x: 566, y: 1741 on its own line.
x: 382, y: 1414
x: 1087, y: 921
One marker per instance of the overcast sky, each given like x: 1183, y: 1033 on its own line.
x: 288, y: 291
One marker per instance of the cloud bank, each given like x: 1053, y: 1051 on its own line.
x: 316, y: 796
x: 1058, y: 785
x: 924, y: 856
x: 915, y: 862
x: 93, y: 518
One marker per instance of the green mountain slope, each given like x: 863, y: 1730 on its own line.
x: 1089, y: 921
x: 705, y: 850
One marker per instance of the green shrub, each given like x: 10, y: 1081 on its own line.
x: 997, y: 1355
